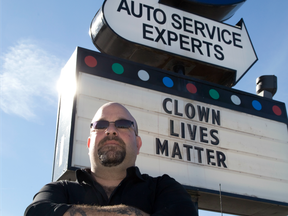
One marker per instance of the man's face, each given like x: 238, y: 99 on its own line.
x: 113, y: 146
x: 111, y: 154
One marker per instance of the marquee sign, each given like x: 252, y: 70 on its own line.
x: 201, y: 134
x: 175, y: 32
x: 193, y: 127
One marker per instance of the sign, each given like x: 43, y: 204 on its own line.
x: 217, y: 10
x: 173, y: 31
x: 201, y: 134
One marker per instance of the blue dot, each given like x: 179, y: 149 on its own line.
x: 257, y: 105
x: 168, y: 82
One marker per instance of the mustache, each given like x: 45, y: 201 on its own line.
x: 108, y: 138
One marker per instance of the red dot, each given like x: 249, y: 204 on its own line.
x: 191, y: 88
x: 90, y: 61
x: 277, y: 110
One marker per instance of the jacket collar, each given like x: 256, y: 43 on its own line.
x: 84, y: 175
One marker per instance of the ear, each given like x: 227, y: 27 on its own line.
x: 139, y: 143
x: 88, y: 142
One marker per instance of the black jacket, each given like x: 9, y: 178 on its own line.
x: 155, y: 196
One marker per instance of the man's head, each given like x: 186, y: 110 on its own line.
x: 114, y: 139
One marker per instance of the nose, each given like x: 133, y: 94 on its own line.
x: 111, y: 130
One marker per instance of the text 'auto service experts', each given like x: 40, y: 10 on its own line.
x: 191, y: 35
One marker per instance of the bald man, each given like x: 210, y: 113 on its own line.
x: 113, y: 185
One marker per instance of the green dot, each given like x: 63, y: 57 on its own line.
x: 214, y: 94
x: 117, y: 68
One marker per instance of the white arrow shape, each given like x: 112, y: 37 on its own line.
x: 174, y: 31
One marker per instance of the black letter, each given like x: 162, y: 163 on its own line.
x: 217, y: 48
x: 178, y: 22
x: 148, y: 11
x: 140, y: 10
x: 221, y: 159
x: 202, y: 135
x: 176, y: 151
x: 200, y: 28
x: 203, y: 112
x: 160, y: 35
x: 155, y: 16
x: 236, y: 39
x: 216, y: 142
x: 162, y: 148
x: 211, y: 35
x: 198, y: 46
x: 192, y: 115
x: 222, y: 33
x: 164, y: 105
x: 218, y: 33
x: 209, y: 157
x: 175, y: 38
x: 208, y: 47
x: 182, y: 130
x: 188, y: 147
x: 146, y: 31
x: 185, y: 19
x: 172, y: 133
x: 215, y: 117
x: 124, y: 8
x: 198, y: 149
x: 192, y: 133
x: 183, y: 42
x: 176, y: 108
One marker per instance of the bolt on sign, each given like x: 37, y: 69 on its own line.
x: 163, y: 36
x: 200, y: 133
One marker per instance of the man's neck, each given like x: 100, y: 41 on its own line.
x: 108, y: 177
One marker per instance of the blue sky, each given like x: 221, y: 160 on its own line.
x: 37, y: 39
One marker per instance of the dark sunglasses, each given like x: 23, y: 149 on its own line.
x: 122, y: 123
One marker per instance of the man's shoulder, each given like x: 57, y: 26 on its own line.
x: 82, y: 175
x: 163, y: 180
x: 157, y: 178
x: 59, y: 184
x: 136, y: 171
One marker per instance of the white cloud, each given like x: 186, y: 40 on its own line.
x: 28, y: 79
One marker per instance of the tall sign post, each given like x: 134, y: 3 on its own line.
x: 202, y: 133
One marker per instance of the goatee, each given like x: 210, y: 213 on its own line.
x: 111, y: 155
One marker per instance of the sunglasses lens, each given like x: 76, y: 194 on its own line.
x: 123, y: 123
x: 118, y: 124
x: 100, y: 124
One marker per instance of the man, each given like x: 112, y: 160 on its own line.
x: 113, y: 186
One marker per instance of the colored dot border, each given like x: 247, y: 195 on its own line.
x: 166, y: 82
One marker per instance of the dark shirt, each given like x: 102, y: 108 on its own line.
x: 155, y: 196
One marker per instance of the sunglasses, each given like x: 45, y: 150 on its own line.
x: 119, y: 124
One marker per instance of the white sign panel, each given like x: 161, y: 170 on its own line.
x: 245, y: 154
x: 201, y: 134
x: 171, y: 30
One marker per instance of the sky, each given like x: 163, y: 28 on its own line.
x: 36, y: 40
